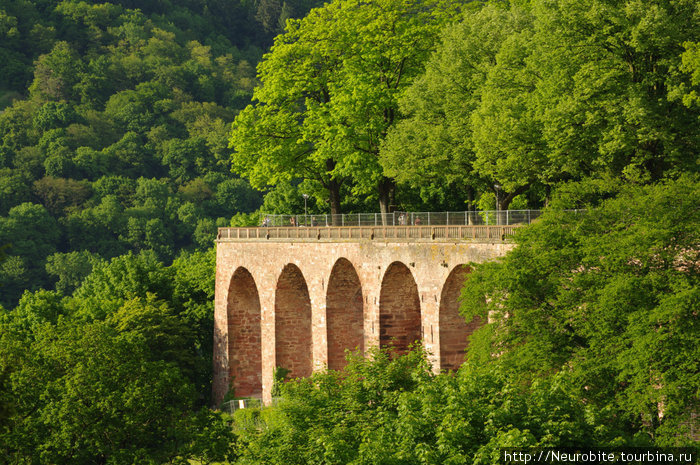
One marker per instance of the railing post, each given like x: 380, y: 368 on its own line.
x: 375, y: 219
x: 448, y: 218
x: 507, y: 217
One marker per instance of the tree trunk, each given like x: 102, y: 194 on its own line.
x: 334, y: 201
x: 333, y: 186
x: 386, y: 189
x: 503, y: 200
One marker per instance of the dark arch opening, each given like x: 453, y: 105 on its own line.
x: 454, y: 329
x: 293, y: 323
x: 344, y: 313
x: 399, y: 309
x: 244, y: 335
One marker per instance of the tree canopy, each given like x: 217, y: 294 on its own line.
x: 609, y: 296
x: 528, y: 96
x: 329, y: 92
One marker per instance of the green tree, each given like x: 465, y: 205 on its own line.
x: 30, y: 232
x: 565, y: 91
x: 102, y: 399
x: 98, y: 229
x: 435, y: 148
x: 606, y: 295
x: 167, y: 337
x: 329, y: 94
x: 54, y: 115
x: 605, y: 103
x: 123, y: 278
x: 193, y: 300
x: 691, y: 65
x: 172, y: 307
x: 56, y: 73
x: 510, y: 152
x: 70, y: 269
x: 186, y: 159
x: 235, y: 195
x: 386, y: 409
x: 13, y: 190
x: 15, y: 278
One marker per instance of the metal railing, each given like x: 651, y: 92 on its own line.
x: 399, y: 218
x: 237, y: 404
x: 484, y: 233
x: 253, y: 402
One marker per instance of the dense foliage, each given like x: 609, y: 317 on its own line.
x: 609, y: 296
x: 328, y: 96
x: 116, y: 169
x: 117, y: 137
x: 118, y: 373
x: 384, y: 411
x: 516, y: 100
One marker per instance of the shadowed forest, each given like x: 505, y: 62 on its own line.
x: 130, y: 131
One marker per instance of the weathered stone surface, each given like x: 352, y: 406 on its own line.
x: 300, y: 305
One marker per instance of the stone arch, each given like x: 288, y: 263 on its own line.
x: 244, y: 335
x: 293, y: 348
x: 454, y: 329
x: 399, y: 309
x: 344, y: 313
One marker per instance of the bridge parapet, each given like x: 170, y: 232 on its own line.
x: 439, y: 233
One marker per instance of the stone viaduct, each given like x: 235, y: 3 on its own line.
x: 300, y: 297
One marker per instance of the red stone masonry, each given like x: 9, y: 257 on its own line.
x: 301, y: 303
x: 344, y: 314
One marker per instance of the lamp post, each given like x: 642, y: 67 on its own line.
x: 306, y: 196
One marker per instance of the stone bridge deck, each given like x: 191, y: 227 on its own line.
x: 299, y: 297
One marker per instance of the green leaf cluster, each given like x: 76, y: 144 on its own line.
x: 117, y: 373
x: 610, y: 297
x: 394, y: 410
x: 328, y: 94
x: 522, y: 97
